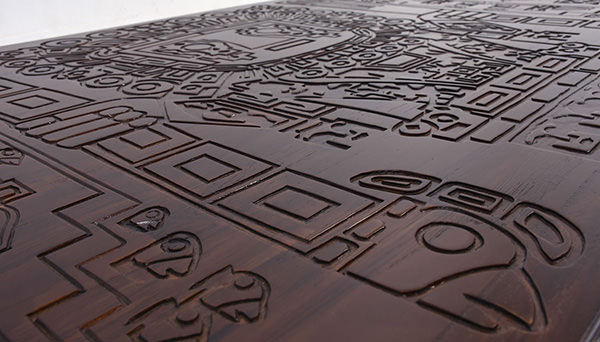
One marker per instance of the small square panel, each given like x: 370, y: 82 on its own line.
x: 207, y: 169
x: 296, y: 205
x: 33, y: 102
x: 37, y: 103
x: 146, y: 143
x: 144, y: 138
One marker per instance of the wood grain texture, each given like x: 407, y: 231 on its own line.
x: 333, y: 170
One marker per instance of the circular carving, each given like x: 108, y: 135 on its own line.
x: 397, y: 22
x: 105, y: 53
x: 151, y: 87
x: 244, y: 282
x: 366, y: 56
x: 340, y: 63
x: 389, y: 48
x: 10, y: 54
x: 449, y: 238
x: 412, y: 41
x: 174, y: 245
x: 10, y: 156
x: 109, y: 81
x: 108, y: 34
x: 113, y: 111
x: 19, y: 63
x: 311, y: 73
x: 40, y: 70
x: 142, y: 122
x: 65, y: 43
x: 444, y: 117
x: 187, y: 316
x: 128, y: 116
x: 154, y: 214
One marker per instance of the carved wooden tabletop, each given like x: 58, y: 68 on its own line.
x: 384, y: 170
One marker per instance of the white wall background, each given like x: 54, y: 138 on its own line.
x: 27, y: 20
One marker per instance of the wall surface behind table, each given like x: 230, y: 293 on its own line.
x: 27, y: 20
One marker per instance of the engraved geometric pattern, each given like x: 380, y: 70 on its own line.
x: 303, y: 170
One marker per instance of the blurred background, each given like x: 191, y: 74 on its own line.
x: 27, y: 20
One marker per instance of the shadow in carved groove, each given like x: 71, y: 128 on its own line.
x: 463, y: 253
x: 9, y: 217
x: 239, y: 297
x: 227, y: 295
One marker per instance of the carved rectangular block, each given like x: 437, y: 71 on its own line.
x: 145, y: 143
x: 33, y: 104
x: 488, y: 101
x: 306, y: 170
x: 296, y: 205
x: 207, y: 169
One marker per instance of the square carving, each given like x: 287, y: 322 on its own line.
x: 147, y: 143
x: 207, y: 169
x: 144, y: 138
x: 33, y: 101
x: 296, y: 205
x: 37, y: 103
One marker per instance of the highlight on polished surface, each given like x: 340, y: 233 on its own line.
x: 332, y: 170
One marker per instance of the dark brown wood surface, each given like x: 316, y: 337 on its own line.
x: 331, y: 170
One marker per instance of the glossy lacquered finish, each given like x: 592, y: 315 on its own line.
x: 306, y: 171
